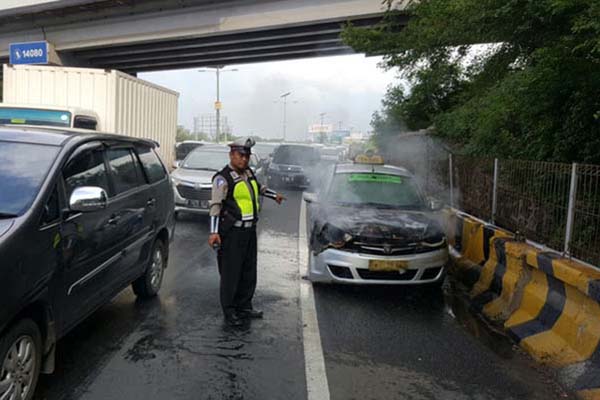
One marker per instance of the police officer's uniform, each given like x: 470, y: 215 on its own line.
x: 234, y: 212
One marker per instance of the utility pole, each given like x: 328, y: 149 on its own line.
x: 284, y: 97
x: 218, y: 108
x: 218, y: 104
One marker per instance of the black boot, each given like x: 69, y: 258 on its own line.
x: 250, y: 313
x: 233, y: 319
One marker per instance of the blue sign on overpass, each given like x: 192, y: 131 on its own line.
x: 29, y: 53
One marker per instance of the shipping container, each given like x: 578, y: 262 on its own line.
x: 124, y: 104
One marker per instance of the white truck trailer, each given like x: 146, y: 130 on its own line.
x: 124, y: 104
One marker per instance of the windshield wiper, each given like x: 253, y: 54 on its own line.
x: 389, y: 206
x: 7, y: 215
x: 202, y: 169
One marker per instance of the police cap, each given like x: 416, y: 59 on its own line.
x: 242, y: 145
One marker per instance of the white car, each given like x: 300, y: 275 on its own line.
x: 372, y: 225
x: 192, y: 180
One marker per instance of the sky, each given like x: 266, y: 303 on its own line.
x: 347, y: 88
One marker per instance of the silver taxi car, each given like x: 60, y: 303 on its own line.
x: 372, y: 225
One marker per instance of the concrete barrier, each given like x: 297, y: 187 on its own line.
x: 548, y: 304
x: 471, y: 241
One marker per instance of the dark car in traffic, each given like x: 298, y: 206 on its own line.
x: 82, y: 216
x: 293, y: 165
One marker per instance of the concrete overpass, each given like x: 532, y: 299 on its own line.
x: 136, y: 36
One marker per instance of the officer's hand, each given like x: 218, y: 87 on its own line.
x: 214, y: 239
x: 279, y: 198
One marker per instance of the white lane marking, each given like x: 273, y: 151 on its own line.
x: 317, y: 386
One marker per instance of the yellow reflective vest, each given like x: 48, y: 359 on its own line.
x: 241, y: 203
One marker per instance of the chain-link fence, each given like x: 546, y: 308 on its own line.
x: 473, y: 185
x: 532, y: 199
x: 585, y: 240
x: 554, y: 204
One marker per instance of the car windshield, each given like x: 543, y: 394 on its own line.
x: 263, y: 150
x: 209, y: 160
x: 295, y: 155
x: 183, y: 149
x: 23, y: 167
x: 374, y: 189
x: 32, y: 116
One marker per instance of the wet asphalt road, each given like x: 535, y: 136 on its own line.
x: 378, y: 343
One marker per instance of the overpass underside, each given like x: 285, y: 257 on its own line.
x: 274, y: 44
x: 152, y: 35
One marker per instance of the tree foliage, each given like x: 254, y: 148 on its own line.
x: 184, y: 134
x: 506, y: 78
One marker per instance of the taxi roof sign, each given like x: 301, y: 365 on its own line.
x: 366, y: 159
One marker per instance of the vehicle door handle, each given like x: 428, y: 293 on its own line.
x: 151, y: 203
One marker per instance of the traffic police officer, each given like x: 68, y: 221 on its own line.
x: 234, y: 211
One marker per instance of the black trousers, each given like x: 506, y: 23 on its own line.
x: 237, y: 267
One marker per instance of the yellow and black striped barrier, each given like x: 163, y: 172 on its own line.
x: 549, y: 304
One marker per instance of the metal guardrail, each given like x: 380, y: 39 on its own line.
x: 554, y: 204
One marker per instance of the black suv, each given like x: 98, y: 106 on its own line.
x: 82, y: 216
x: 294, y: 165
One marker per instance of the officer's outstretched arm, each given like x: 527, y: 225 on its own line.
x: 271, y: 194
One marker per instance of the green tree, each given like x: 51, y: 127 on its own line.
x: 532, y: 92
x: 183, y: 134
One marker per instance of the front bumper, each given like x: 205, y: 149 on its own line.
x: 192, y: 206
x: 337, y: 266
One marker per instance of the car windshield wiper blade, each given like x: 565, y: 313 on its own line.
x: 348, y: 204
x: 202, y: 169
x: 392, y: 206
x: 7, y: 215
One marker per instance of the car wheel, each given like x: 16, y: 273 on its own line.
x: 149, y: 284
x: 21, y: 357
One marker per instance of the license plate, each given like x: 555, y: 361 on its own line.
x: 387, y: 265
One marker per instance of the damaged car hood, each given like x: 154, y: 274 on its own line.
x: 382, y: 223
x: 352, y: 227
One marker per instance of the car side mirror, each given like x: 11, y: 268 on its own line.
x: 175, y: 164
x: 88, y: 198
x: 434, y: 204
x: 309, y: 197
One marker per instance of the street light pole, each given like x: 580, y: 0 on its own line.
x: 285, y: 96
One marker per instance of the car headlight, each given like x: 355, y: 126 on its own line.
x: 333, y: 236
x: 433, y: 236
x: 177, y: 181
